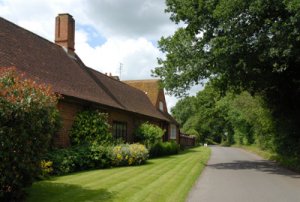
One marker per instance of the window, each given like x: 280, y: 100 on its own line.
x: 161, y: 106
x: 119, y: 130
x: 173, y: 131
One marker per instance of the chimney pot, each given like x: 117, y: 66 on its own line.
x: 65, y: 31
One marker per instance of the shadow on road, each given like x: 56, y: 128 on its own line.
x: 262, y: 166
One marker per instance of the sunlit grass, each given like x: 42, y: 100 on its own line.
x: 162, y: 179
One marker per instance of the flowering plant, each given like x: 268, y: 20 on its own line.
x: 129, y: 154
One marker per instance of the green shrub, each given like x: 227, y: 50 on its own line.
x: 129, y: 154
x: 84, y: 157
x: 77, y: 158
x: 148, y: 134
x: 46, y: 168
x: 164, y: 148
x: 90, y: 127
x: 28, y: 118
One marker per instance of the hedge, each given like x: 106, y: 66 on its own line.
x: 28, y: 118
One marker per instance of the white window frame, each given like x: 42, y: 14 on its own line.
x: 161, y: 106
x: 173, y: 133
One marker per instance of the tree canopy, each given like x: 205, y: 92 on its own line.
x: 239, y: 45
x: 253, y: 45
x: 232, y: 118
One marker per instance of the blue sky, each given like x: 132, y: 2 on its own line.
x: 94, y: 37
x: 108, y: 32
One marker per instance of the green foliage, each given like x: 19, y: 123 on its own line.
x: 250, y: 119
x: 129, y: 154
x: 191, y: 132
x: 164, y: 149
x: 85, y: 157
x: 77, y: 158
x: 46, y: 168
x: 233, y: 118
x: 148, y: 134
x: 249, y: 46
x: 183, y: 109
x: 28, y: 118
x: 204, y: 120
x: 90, y: 127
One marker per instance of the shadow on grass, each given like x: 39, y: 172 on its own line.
x: 48, y: 191
x: 262, y: 166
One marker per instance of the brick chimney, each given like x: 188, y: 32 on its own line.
x: 65, y: 32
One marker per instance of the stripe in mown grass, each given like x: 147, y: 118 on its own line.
x: 134, y: 174
x: 162, y: 179
x: 152, y: 185
x: 154, y: 190
x: 171, y: 182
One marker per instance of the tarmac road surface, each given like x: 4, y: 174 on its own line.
x: 234, y: 175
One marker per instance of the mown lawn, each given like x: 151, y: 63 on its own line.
x: 163, y: 179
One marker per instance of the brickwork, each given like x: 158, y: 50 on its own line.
x: 65, y: 31
x: 68, y: 112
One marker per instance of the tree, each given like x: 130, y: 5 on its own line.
x: 183, y: 110
x: 199, y: 116
x: 248, y: 120
x: 249, y: 45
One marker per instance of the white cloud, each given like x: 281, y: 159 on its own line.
x: 138, y: 56
x: 130, y: 18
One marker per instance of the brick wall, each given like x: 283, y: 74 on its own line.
x: 68, y: 111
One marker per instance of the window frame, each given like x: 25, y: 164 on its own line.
x: 161, y: 106
x: 173, y: 132
x: 119, y: 130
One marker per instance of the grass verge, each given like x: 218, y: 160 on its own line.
x: 288, y: 162
x: 162, y: 179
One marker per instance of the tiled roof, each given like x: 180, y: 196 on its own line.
x: 150, y: 87
x: 130, y: 98
x: 49, y: 63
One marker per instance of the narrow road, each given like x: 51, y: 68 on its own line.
x: 234, y: 175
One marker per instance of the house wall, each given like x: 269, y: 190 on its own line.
x: 68, y: 110
x: 122, y: 117
x: 132, y: 120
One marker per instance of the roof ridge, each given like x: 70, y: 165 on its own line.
x: 122, y: 82
x: 140, y: 80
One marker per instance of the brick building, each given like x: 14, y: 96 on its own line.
x: 81, y: 87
